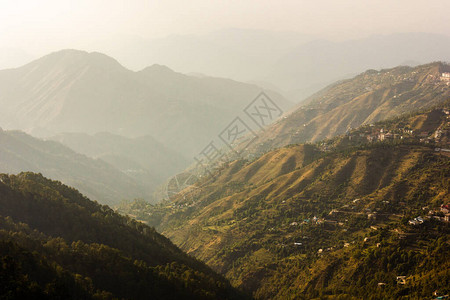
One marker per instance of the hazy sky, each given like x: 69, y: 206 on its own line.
x: 52, y: 24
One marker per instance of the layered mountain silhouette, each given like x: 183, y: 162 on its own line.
x: 76, y: 91
x: 297, y: 64
x: 237, y: 53
x: 95, y: 178
x: 144, y: 159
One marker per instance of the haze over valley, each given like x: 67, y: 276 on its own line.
x: 225, y: 150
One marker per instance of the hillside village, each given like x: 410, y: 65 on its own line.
x: 445, y: 77
x: 436, y: 132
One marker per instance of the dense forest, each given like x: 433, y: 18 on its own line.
x: 57, y: 244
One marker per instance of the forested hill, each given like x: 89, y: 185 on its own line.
x: 367, y: 98
x: 57, y: 244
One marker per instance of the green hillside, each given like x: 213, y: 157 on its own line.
x: 325, y: 220
x: 57, y: 244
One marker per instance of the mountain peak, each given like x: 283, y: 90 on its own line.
x: 156, y: 68
x: 73, y: 57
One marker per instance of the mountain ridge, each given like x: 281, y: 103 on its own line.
x: 53, y: 94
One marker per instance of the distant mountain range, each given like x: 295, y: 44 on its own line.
x: 297, y: 64
x: 236, y: 53
x: 95, y: 178
x: 294, y: 64
x: 144, y: 159
x: 76, y: 91
x: 346, y: 196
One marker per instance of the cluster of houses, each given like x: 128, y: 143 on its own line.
x: 315, y: 220
x: 442, y: 215
x: 385, y: 135
x: 444, y: 210
x: 183, y: 205
x: 373, y: 134
x: 445, y: 77
x: 416, y: 221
